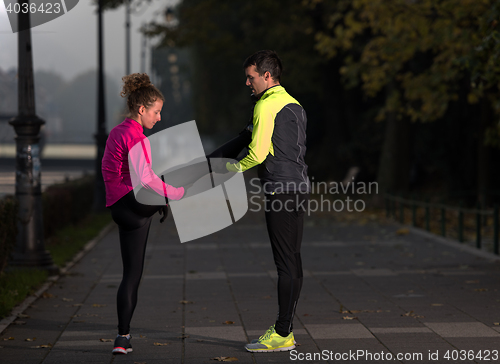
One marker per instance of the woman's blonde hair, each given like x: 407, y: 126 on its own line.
x: 139, y: 90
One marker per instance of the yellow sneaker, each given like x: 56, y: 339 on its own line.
x: 271, y: 341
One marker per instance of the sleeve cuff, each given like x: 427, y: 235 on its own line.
x: 234, y: 167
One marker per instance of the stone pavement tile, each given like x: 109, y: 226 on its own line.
x: 145, y: 350
x: 205, y: 343
x: 226, y: 332
x: 462, y: 329
x: 355, y: 350
x: 216, y: 313
x: 485, y: 350
x: 338, y: 331
x: 19, y: 351
x: 400, y: 330
x: 130, y: 359
x: 416, y: 347
x: 279, y: 357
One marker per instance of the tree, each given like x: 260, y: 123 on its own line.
x: 419, y: 53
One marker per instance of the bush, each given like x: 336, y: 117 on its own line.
x: 8, y: 228
x: 66, y: 203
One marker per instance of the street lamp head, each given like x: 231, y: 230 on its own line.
x: 169, y: 15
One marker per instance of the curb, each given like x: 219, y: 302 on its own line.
x: 19, y: 309
x: 454, y: 244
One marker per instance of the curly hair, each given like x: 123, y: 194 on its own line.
x: 139, y: 90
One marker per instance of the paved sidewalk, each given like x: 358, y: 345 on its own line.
x: 365, y: 288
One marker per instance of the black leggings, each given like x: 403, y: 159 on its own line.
x: 285, y: 224
x: 134, y: 220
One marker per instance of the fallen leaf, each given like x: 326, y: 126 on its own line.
x: 494, y: 323
x: 224, y: 358
x: 47, y: 295
x: 403, y: 231
x: 183, y: 337
x: 67, y: 299
x: 77, y: 304
x: 349, y: 318
x: 98, y: 305
x: 472, y: 282
x: 160, y: 344
x: 228, y: 322
x: 437, y: 304
x: 412, y: 314
x: 49, y: 345
x: 481, y: 289
x: 8, y: 338
x: 29, y: 339
x: 185, y: 302
x: 22, y: 315
x: 106, y: 340
x: 211, y: 320
x: 78, y: 321
x: 199, y: 341
x: 306, y: 314
x: 140, y: 362
x: 266, y: 297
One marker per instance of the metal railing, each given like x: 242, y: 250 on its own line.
x: 395, y: 205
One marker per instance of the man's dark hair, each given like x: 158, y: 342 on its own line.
x: 265, y: 61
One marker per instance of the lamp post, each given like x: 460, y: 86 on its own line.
x: 100, y: 136
x: 30, y: 250
x: 127, y: 37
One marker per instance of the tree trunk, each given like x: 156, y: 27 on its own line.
x: 483, y: 155
x: 394, y: 163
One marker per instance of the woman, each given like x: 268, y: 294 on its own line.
x: 144, y: 103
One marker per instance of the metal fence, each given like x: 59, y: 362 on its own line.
x: 395, y: 207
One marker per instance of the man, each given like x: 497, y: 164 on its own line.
x: 278, y: 148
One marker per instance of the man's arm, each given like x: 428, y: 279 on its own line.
x: 261, y: 144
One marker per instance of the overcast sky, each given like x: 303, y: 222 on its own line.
x: 68, y: 45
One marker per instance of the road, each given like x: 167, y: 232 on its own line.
x: 54, y: 170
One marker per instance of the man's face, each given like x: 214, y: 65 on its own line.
x: 256, y: 82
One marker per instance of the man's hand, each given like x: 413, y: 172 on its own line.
x: 163, y: 211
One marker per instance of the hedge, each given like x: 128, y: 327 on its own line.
x: 63, y: 204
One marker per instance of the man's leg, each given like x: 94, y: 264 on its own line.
x: 284, y: 219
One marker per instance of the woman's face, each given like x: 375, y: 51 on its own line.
x: 150, y: 116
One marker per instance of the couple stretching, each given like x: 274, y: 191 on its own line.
x: 276, y: 141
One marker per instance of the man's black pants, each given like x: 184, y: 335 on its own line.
x: 285, y: 223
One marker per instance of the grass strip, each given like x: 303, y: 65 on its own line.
x: 17, y: 284
x: 68, y: 241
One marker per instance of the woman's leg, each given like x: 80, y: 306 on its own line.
x: 133, y: 231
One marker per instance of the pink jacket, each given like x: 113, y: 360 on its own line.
x: 115, y: 164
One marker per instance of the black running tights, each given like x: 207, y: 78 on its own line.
x: 285, y: 222
x: 133, y: 221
